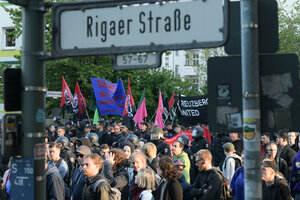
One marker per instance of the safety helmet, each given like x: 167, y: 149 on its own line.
x: 133, y: 139
x: 93, y: 137
x: 157, y: 134
x: 184, y: 140
x: 197, y: 132
x: 64, y: 141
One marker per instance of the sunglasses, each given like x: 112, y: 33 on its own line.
x: 79, y: 155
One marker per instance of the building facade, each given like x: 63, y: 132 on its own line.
x: 9, y: 47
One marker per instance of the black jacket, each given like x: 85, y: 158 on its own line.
x: 217, y: 149
x: 173, y: 191
x: 208, y: 185
x: 55, y: 186
x: 288, y: 154
x: 77, y: 184
x: 200, y: 143
x: 90, y: 192
x: 279, y: 190
x: 153, y: 163
x: 118, y: 178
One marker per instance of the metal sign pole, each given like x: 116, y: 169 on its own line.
x: 33, y: 94
x: 251, y: 99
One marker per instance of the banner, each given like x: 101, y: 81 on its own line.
x: 192, y: 110
x: 171, y: 140
x: 110, y: 97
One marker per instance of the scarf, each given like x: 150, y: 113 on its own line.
x: 136, y: 192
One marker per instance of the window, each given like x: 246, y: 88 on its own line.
x: 176, y: 70
x: 167, y: 61
x: 191, y: 59
x: 196, y: 59
x: 176, y: 53
x: 9, y: 40
x: 187, y: 60
x: 195, y: 80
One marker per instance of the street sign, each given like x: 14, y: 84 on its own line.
x: 279, y: 93
x: 119, y: 27
x: 136, y: 61
x: 22, y: 178
x: 53, y: 94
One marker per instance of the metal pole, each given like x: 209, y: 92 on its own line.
x: 251, y: 101
x: 34, y: 90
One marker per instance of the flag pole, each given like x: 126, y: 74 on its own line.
x: 153, y: 116
x: 173, y: 117
x: 87, y: 114
x: 167, y: 117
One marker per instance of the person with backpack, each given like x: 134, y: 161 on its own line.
x: 231, y: 162
x: 208, y: 184
x: 95, y: 186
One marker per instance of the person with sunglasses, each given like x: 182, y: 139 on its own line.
x: 78, y: 176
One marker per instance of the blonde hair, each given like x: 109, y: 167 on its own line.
x: 203, y: 153
x: 145, y: 179
x: 150, y: 149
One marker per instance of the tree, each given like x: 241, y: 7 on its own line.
x: 289, y: 27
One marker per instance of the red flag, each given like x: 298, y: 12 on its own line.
x: 141, y: 113
x: 171, y: 102
x: 129, y: 103
x: 160, y: 110
x: 66, y: 95
x: 80, y: 100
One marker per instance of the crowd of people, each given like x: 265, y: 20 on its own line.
x: 109, y: 161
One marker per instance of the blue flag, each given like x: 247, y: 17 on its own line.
x: 110, y: 97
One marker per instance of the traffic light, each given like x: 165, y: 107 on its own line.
x: 12, y: 85
x: 11, y: 135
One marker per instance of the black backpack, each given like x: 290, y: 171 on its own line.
x: 237, y: 161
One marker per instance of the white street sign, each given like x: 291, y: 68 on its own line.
x: 90, y: 28
x: 136, y: 61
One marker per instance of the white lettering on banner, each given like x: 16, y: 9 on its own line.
x: 188, y: 112
x: 194, y: 103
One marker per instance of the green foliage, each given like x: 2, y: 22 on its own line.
x: 289, y: 27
